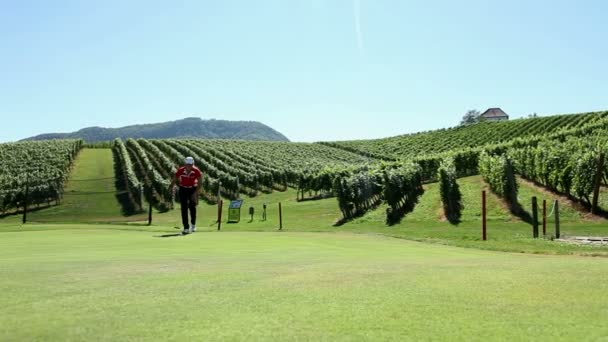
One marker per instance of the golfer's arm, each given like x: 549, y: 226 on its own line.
x: 199, y: 184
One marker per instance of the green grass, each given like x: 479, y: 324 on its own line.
x: 425, y: 223
x: 471, y: 188
x: 505, y: 233
x: 90, y: 193
x: 566, y: 211
x: 103, y: 283
x: 429, y: 209
x: 313, y: 281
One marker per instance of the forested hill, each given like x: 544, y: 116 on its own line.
x: 185, y: 128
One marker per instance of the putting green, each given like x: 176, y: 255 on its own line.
x: 104, y: 283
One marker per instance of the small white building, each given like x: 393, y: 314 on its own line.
x: 494, y: 114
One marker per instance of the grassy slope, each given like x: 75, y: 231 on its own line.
x: 505, y: 233
x: 90, y: 194
x: 567, y: 212
x: 91, y: 283
x: 423, y: 224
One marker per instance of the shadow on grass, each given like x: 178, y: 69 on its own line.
x: 601, y: 212
x: 394, y: 216
x: 344, y: 221
x: 316, y: 197
x: 169, y: 235
x: 357, y: 214
x: 19, y: 212
x: 518, y: 210
x: 14, y: 213
x: 453, y: 212
x: 454, y: 218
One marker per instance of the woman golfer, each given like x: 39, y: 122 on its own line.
x: 189, y: 179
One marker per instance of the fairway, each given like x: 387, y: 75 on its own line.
x: 109, y: 283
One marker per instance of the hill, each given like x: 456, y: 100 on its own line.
x: 480, y: 134
x: 185, y: 128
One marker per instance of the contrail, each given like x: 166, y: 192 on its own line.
x: 357, y: 17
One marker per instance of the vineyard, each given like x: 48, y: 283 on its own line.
x: 472, y: 136
x: 231, y: 168
x: 34, y: 170
x: 570, y: 167
x: 559, y: 153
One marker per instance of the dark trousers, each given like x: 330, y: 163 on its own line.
x: 185, y: 199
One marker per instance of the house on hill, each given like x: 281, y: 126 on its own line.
x: 494, y: 114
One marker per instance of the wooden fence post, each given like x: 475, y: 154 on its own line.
x: 25, y: 198
x: 557, y: 232
x: 150, y: 214
x: 534, y: 217
x: 484, y: 217
x: 544, y: 217
x: 280, y: 217
x: 219, y: 215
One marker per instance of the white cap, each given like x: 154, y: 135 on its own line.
x: 189, y: 160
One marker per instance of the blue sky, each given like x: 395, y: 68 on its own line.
x: 312, y: 69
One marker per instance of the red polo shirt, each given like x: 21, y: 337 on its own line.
x: 188, y: 179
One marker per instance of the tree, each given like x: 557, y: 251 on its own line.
x: 471, y: 117
x: 533, y: 115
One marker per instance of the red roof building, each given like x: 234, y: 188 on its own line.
x: 494, y: 114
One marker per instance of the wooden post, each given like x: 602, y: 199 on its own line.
x: 280, y: 217
x: 557, y: 232
x: 544, y: 217
x: 484, y: 217
x: 534, y: 217
x: 597, y: 183
x: 150, y: 214
x: 219, y: 215
x: 219, y: 209
x: 264, y: 214
x: 27, y: 191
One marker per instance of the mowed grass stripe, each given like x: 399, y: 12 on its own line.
x: 94, y: 284
x: 90, y: 193
x: 471, y: 188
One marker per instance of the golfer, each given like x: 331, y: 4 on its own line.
x: 189, y: 179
